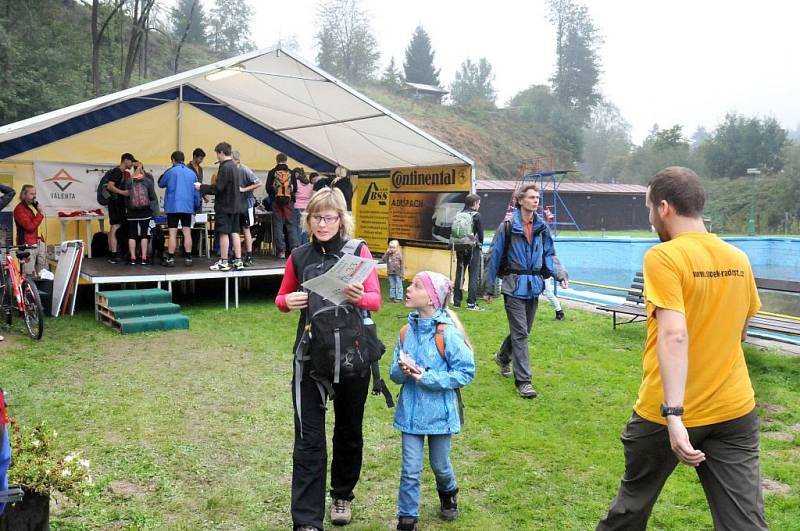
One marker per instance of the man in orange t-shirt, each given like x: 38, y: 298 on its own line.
x: 695, y: 403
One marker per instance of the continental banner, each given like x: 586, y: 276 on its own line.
x: 372, y: 210
x: 424, y: 201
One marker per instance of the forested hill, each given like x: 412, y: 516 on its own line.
x: 497, y: 140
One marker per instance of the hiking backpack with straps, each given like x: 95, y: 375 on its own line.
x: 462, y: 233
x: 282, y: 185
x: 139, y: 198
x: 339, y: 341
x: 103, y: 195
x: 441, y: 348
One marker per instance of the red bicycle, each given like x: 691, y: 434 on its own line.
x: 19, y: 293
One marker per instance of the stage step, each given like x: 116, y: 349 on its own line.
x: 149, y: 323
x: 142, y: 310
x: 139, y: 310
x: 126, y: 297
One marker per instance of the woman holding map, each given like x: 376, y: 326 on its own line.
x: 330, y: 228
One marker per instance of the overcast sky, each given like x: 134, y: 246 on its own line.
x: 685, y: 62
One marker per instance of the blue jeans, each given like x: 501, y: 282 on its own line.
x: 439, y: 456
x: 396, y: 288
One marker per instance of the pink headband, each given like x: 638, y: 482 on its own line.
x: 438, y: 287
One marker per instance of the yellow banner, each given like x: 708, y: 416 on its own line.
x: 371, y: 205
x: 432, y: 179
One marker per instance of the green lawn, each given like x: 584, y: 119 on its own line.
x: 201, y: 423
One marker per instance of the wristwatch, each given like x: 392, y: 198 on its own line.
x: 666, y: 411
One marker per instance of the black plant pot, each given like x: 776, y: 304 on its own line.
x: 31, y: 514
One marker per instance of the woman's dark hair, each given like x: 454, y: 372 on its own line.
x: 681, y: 188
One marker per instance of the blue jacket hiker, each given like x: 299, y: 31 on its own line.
x: 180, y: 197
x: 430, y: 369
x: 522, y: 253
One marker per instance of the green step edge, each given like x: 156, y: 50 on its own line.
x: 142, y: 310
x: 152, y: 323
x: 127, y: 297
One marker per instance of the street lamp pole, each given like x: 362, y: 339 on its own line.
x: 751, y: 223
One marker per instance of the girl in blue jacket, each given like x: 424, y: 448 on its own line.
x: 429, y: 373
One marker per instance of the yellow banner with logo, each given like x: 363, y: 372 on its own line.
x: 432, y: 179
x: 371, y: 206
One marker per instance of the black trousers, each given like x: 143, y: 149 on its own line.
x: 730, y: 475
x: 470, y: 260
x: 310, y: 457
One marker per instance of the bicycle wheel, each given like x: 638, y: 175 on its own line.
x: 34, y: 313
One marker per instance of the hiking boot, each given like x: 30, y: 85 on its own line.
x: 559, y: 315
x: 113, y: 259
x: 187, y: 261
x: 526, y: 390
x: 448, y: 504
x: 474, y: 307
x: 169, y: 261
x: 238, y: 265
x: 220, y: 265
x: 407, y: 523
x: 341, y: 511
x: 505, y: 367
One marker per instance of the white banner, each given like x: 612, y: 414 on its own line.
x: 69, y: 187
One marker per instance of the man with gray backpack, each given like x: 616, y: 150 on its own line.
x: 466, y: 237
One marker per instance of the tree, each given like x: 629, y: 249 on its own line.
x: 391, y: 77
x: 577, y: 62
x: 607, y: 143
x: 347, y: 47
x: 739, y: 143
x: 661, y: 148
x: 188, y: 22
x: 418, y: 65
x: 473, y: 85
x: 98, y: 31
x: 140, y: 17
x: 699, y: 136
x: 229, y: 23
x: 537, y: 104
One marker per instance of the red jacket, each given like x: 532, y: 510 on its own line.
x: 27, y: 224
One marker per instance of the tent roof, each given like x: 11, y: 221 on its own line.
x: 287, y: 98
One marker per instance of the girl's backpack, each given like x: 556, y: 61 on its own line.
x: 139, y: 198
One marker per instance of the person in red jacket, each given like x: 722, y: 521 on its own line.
x: 28, y: 216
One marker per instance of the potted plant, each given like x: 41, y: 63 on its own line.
x: 43, y: 472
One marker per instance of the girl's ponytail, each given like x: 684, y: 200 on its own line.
x: 460, y: 327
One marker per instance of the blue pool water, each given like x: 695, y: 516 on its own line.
x: 614, y: 261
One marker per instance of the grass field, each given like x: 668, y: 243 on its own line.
x: 193, y: 430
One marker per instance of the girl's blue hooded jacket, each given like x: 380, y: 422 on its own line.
x: 429, y: 406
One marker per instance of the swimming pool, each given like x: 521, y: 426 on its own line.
x: 613, y: 261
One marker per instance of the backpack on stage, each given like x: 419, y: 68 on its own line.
x: 139, y: 198
x: 339, y: 341
x: 461, y: 230
x: 282, y: 184
x: 441, y: 347
x: 103, y: 195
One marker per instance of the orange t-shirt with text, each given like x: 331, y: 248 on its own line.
x: 711, y: 283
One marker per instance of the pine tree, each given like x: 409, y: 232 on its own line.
x: 419, y: 60
x: 391, y: 76
x: 188, y: 17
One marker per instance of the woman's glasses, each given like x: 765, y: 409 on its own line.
x: 327, y: 219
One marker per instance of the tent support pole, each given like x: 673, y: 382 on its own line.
x: 180, y: 119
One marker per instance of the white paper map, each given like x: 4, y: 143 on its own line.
x: 350, y: 269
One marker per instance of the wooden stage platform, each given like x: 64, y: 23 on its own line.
x: 97, y: 271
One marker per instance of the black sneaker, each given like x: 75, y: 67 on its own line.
x: 448, y: 504
x: 407, y: 523
x: 145, y: 260
x: 526, y: 390
x: 474, y: 307
x: 248, y: 261
x: 133, y: 261
x: 113, y: 259
x: 238, y: 265
x: 168, y: 262
x: 560, y: 315
x: 505, y: 367
x: 187, y: 261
